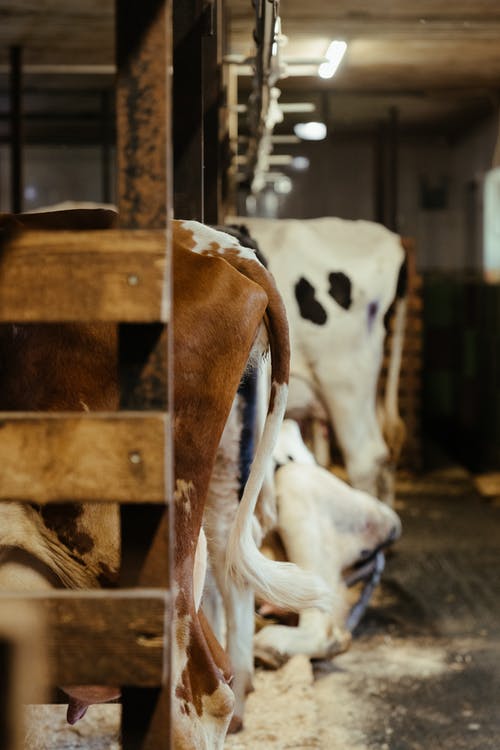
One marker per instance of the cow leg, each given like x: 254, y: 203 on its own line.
x: 305, y: 536
x: 353, y: 412
x: 239, y: 611
x: 238, y: 603
x: 316, y: 636
x: 212, y: 605
x: 321, y: 442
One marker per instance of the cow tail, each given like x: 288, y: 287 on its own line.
x: 282, y: 583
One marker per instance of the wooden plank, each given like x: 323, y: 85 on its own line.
x: 23, y: 668
x: 108, y: 457
x: 102, y: 637
x: 109, y: 275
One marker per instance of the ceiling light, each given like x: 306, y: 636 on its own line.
x: 334, y: 55
x: 310, y: 131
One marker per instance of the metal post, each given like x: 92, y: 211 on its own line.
x: 16, y: 130
x: 211, y: 94
x: 105, y: 148
x: 392, y: 169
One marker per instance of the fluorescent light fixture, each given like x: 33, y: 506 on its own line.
x: 310, y: 131
x: 334, y: 55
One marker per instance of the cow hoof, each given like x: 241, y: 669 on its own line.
x: 269, y: 658
x: 235, y: 725
x: 341, y: 643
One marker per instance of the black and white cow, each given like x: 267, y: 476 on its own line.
x: 339, y: 280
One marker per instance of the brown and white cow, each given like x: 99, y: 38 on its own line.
x: 226, y: 310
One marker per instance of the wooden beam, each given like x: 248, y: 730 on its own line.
x: 61, y: 457
x: 142, y: 104
x: 144, y: 61
x: 107, y: 275
x: 102, y: 637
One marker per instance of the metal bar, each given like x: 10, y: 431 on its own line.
x: 106, y: 147
x: 392, y: 169
x: 16, y: 129
x: 211, y: 93
x: 379, y: 195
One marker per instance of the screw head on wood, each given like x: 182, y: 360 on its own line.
x: 135, y: 457
x: 133, y: 279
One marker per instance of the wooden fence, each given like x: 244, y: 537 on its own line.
x: 117, y: 637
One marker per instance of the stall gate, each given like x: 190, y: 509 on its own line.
x: 117, y: 637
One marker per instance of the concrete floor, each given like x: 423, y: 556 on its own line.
x: 423, y: 672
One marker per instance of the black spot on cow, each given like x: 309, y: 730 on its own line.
x: 310, y: 308
x: 62, y: 519
x: 372, y: 313
x: 340, y: 289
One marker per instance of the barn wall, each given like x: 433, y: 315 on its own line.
x: 462, y: 369
x: 339, y: 181
x: 56, y: 173
x: 440, y: 206
x: 439, y: 196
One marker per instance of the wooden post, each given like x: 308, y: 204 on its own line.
x: 144, y: 44
x: 16, y: 130
x: 189, y: 20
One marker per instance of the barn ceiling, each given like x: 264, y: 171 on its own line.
x: 434, y: 60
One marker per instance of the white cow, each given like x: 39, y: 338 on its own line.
x: 325, y: 526
x: 338, y: 279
